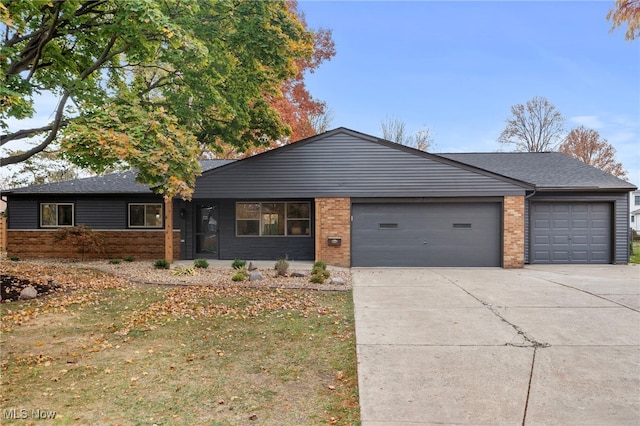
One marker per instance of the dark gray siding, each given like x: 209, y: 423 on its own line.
x: 620, y: 219
x: 104, y: 212
x: 345, y: 165
x: 260, y: 248
x: 22, y: 213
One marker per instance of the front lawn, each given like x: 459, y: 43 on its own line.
x: 100, y: 350
x: 635, y: 257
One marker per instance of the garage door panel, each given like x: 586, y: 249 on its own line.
x: 434, y: 234
x: 561, y: 224
x: 578, y: 233
x: 543, y: 224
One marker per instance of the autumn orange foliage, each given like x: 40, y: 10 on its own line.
x: 587, y: 146
x: 297, y: 107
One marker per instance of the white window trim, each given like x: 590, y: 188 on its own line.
x: 73, y: 215
x: 129, y: 225
x: 286, y: 218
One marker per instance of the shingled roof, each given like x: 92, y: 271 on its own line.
x: 544, y: 170
x: 113, y: 183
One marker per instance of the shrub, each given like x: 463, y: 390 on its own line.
x: 317, y: 278
x: 320, y: 264
x: 282, y: 267
x: 319, y: 272
x: 239, y: 264
x: 14, y: 258
x: 241, y: 275
x: 184, y: 271
x: 201, y: 263
x: 82, y: 237
x: 129, y: 259
x: 162, y: 264
x: 115, y: 261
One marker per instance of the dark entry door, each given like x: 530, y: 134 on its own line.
x: 206, y: 230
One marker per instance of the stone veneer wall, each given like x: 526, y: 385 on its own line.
x: 333, y: 220
x: 513, y: 235
x: 117, y: 245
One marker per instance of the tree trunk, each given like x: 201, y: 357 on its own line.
x: 168, y: 229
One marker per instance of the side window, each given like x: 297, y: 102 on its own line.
x: 55, y: 215
x: 145, y: 215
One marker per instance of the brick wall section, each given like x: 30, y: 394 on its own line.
x: 513, y: 223
x: 117, y: 245
x: 333, y: 219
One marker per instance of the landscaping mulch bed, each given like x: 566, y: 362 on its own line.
x: 10, y: 287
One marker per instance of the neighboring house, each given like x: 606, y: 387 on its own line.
x: 350, y: 199
x: 634, y: 206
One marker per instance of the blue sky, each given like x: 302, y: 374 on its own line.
x: 458, y: 67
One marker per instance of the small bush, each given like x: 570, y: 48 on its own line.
x: 129, y: 259
x: 184, y: 271
x: 162, y: 264
x: 14, y: 258
x: 201, y: 263
x: 82, y: 237
x: 282, y: 267
x: 239, y: 264
x: 319, y: 272
x: 318, y: 279
x: 115, y: 261
x: 241, y: 274
x: 320, y: 264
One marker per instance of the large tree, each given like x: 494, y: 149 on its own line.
x: 534, y: 127
x: 138, y: 83
x: 297, y: 106
x: 626, y: 11
x: 586, y: 145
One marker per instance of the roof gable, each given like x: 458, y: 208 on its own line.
x: 344, y: 163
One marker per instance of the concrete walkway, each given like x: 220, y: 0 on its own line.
x: 537, y: 346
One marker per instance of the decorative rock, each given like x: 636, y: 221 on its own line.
x: 28, y: 293
x: 336, y: 281
x: 255, y: 275
x: 251, y: 267
x: 298, y: 274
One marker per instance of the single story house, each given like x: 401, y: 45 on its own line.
x: 349, y: 199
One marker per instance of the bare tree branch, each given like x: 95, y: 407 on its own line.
x: 536, y: 127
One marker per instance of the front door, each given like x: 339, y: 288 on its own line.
x: 206, y: 230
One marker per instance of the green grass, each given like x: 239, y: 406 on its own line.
x: 635, y: 257
x: 181, y: 355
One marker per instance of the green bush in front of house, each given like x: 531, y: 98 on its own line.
x: 201, y: 263
x: 239, y: 264
x: 162, y: 264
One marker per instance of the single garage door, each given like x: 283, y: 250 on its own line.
x: 570, y: 233
x: 433, y: 234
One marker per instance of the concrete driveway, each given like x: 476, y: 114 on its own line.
x: 535, y: 346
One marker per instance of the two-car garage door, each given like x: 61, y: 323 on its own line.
x: 426, y: 234
x: 570, y: 232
